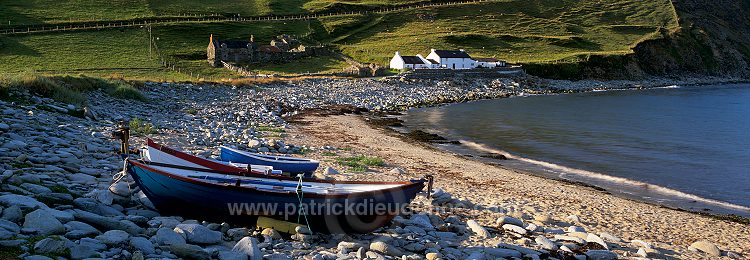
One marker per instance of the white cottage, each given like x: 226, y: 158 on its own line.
x: 410, y: 62
x: 490, y: 63
x: 451, y: 59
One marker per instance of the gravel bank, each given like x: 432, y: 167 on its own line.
x: 56, y: 199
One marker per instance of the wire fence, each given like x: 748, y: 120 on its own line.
x: 76, y: 26
x: 169, y: 63
x: 172, y: 64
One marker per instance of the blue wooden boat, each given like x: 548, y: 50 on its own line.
x: 291, y: 165
x: 158, y: 153
x: 326, y: 206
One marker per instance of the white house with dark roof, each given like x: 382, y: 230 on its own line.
x: 444, y: 59
x: 452, y: 59
x: 410, y: 62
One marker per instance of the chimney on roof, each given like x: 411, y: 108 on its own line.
x: 252, y: 38
x: 432, y: 50
x: 212, y: 38
x: 462, y: 50
x: 398, y: 54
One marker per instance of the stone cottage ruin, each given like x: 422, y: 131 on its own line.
x: 283, y: 48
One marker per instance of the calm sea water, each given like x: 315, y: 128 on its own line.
x: 687, y: 147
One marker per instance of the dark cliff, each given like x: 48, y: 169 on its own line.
x: 713, y: 40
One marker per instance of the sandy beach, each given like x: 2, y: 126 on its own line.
x: 58, y: 171
x: 669, y: 231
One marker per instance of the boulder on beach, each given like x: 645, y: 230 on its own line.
x: 52, y: 245
x: 83, y: 252
x: 386, y: 249
x: 107, y: 223
x: 113, y: 237
x: 509, y: 220
x: 188, y: 251
x: 271, y: 233
x: 43, y: 222
x: 478, y: 229
x: 707, y: 247
x: 167, y: 236
x: 142, y: 244
x: 77, y: 230
x: 545, y: 243
x: 249, y: 247
x: 330, y: 171
x: 25, y: 202
x: 398, y: 171
x: 422, y: 221
x: 198, y: 234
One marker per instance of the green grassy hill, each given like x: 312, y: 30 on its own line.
x: 39, y: 11
x: 524, y: 31
x: 519, y: 31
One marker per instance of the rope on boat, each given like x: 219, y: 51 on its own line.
x: 301, y: 210
x: 117, y: 177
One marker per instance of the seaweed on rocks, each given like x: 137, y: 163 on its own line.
x: 329, y: 110
x: 495, y: 156
x: 385, y: 121
x: 422, y: 136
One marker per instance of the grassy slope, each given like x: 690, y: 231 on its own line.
x: 95, y: 52
x: 188, y: 48
x: 39, y: 11
x: 519, y: 31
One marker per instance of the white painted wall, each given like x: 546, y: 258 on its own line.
x: 453, y: 63
x: 397, y: 62
x: 485, y: 64
x: 435, y: 57
x: 458, y: 63
x: 427, y: 64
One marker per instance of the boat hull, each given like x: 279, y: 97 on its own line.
x: 307, y: 167
x: 359, y: 212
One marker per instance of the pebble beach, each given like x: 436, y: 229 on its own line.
x: 58, y: 201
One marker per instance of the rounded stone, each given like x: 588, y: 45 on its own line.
x: 707, y: 247
x: 272, y: 233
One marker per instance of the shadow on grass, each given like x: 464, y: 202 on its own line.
x: 11, y: 46
x: 287, y: 6
x: 12, y: 18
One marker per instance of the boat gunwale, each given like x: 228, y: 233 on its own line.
x: 243, y: 172
x: 199, y: 161
x: 403, y: 185
x: 279, y: 159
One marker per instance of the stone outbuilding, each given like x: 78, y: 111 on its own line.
x: 281, y: 49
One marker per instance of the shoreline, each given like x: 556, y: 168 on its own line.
x: 370, y: 94
x: 589, y: 198
x: 462, y: 183
x: 487, y: 159
x: 680, y: 200
x: 467, y: 217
